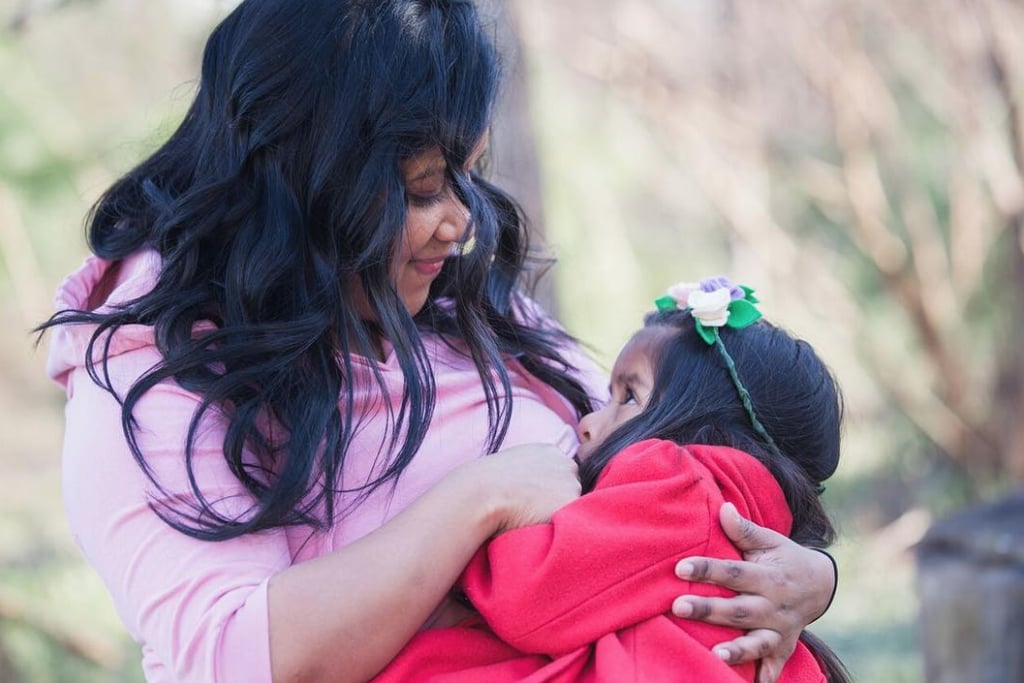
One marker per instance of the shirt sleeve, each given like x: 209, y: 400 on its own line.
x: 199, y: 607
x: 606, y: 560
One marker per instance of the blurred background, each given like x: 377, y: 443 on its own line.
x: 858, y: 161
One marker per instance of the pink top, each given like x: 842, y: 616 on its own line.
x: 199, y: 609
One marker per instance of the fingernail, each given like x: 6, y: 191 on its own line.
x: 723, y: 654
x: 682, y: 608
x: 684, y: 570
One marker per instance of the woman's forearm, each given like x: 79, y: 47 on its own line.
x: 343, y: 616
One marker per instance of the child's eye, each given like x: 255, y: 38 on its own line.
x: 629, y: 398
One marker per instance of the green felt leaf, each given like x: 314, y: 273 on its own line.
x: 742, y: 313
x: 748, y: 293
x: 666, y: 303
x: 707, y: 333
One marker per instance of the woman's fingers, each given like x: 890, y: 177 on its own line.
x: 770, y: 669
x: 743, y: 611
x: 781, y: 587
x: 742, y: 577
x: 753, y: 645
x: 750, y: 538
x: 761, y: 547
x: 797, y: 581
x: 761, y: 644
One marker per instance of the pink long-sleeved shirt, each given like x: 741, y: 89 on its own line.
x: 198, y: 609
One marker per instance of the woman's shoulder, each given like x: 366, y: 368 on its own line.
x: 100, y: 286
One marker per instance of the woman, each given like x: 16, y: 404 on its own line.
x: 285, y: 360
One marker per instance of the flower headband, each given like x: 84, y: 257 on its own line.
x: 715, y: 303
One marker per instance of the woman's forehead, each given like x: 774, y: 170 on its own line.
x: 423, y: 165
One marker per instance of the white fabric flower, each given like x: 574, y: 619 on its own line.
x: 681, y: 292
x: 710, y: 308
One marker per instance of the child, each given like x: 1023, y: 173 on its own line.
x: 709, y: 405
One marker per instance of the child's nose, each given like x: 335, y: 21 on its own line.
x: 585, y: 428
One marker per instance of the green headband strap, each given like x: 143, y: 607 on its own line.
x: 744, y: 395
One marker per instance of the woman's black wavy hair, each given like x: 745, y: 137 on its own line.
x: 694, y: 401
x: 275, y: 204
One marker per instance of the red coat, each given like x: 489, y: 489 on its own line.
x: 587, y: 597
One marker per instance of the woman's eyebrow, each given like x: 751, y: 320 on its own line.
x: 431, y: 170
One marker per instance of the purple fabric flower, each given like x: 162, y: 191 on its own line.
x: 721, y: 282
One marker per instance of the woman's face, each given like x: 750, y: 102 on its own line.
x: 436, y: 220
x: 632, y: 382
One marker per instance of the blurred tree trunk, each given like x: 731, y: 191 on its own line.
x: 1008, y: 398
x: 514, y: 163
x: 971, y: 586
x: 8, y: 673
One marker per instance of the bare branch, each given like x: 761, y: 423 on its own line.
x: 19, y: 257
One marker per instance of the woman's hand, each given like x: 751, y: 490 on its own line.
x: 526, y: 484
x: 782, y: 587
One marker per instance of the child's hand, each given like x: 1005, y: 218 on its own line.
x: 782, y: 587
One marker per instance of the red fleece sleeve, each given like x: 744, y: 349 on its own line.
x: 606, y: 560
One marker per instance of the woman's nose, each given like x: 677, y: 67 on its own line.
x: 455, y: 225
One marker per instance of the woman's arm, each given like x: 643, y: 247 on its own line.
x: 237, y: 610
x: 322, y: 628
x: 782, y: 585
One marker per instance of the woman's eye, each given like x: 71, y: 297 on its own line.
x: 427, y: 200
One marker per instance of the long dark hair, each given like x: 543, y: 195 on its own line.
x: 275, y: 205
x: 694, y: 401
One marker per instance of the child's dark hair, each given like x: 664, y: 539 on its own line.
x: 794, y: 396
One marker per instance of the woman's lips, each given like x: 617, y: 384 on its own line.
x: 429, y: 267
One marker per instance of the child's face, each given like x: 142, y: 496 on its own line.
x: 632, y: 381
